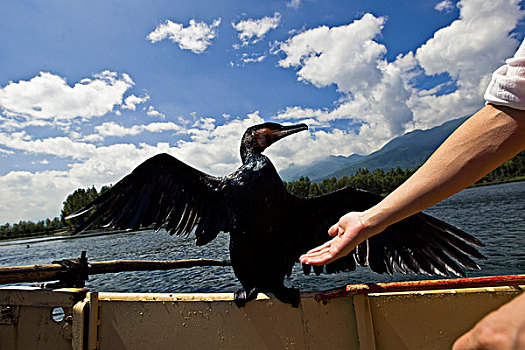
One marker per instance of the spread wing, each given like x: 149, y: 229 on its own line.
x: 417, y: 244
x: 162, y: 191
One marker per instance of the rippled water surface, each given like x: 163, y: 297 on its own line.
x: 494, y: 214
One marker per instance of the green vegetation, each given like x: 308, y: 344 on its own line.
x: 512, y: 170
x: 29, y: 228
x: 378, y: 181
x: 75, y: 201
x: 384, y: 182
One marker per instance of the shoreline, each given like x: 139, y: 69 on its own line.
x: 514, y: 179
x: 63, y: 235
x: 102, y: 232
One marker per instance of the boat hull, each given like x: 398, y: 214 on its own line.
x: 416, y: 319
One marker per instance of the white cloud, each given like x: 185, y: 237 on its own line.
x: 37, y: 195
x: 113, y: 129
x: 132, y: 101
x: 207, y: 124
x: 57, y: 146
x: 305, y: 147
x: 380, y: 97
x: 13, y: 123
x: 378, y: 100
x: 48, y: 96
x: 196, y: 37
x: 152, y: 112
x: 360, y: 135
x: 374, y: 92
x: 34, y: 196
x: 293, y: 3
x: 253, y: 30
x: 445, y: 5
x: 300, y: 113
x: 346, y: 56
x: 216, y: 150
x: 4, y: 151
x: 246, y: 59
x: 469, y: 50
x: 479, y: 35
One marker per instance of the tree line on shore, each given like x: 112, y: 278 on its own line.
x: 378, y: 181
x: 384, y: 182
x: 76, y: 200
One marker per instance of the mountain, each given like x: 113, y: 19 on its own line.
x: 407, y: 151
x: 318, y: 169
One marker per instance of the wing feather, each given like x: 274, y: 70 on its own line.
x: 417, y: 244
x: 162, y: 191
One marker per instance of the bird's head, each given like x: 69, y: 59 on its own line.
x: 258, y: 137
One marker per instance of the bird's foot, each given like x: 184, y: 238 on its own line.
x: 290, y: 296
x: 241, y: 296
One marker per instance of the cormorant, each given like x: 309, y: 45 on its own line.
x: 269, y: 227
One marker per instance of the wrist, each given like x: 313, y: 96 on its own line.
x: 373, y: 221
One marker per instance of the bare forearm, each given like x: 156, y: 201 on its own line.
x: 486, y: 140
x: 482, y: 143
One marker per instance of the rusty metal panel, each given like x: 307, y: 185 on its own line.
x: 395, y: 320
x: 165, y: 322
x: 27, y: 318
x: 329, y: 324
x: 431, y: 319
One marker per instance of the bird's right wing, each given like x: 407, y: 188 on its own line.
x: 417, y: 244
x: 162, y: 191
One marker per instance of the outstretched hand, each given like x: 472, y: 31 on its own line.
x: 347, y: 234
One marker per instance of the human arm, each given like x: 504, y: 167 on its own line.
x: 501, y: 329
x: 490, y: 137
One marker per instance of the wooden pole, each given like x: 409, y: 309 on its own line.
x: 52, y: 272
x: 98, y: 267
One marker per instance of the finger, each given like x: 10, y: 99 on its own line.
x: 334, y: 230
x: 319, y: 252
x: 314, y: 255
x: 323, y: 259
x: 316, y: 249
x: 325, y: 256
x: 466, y: 341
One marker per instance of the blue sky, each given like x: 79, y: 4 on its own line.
x: 88, y: 90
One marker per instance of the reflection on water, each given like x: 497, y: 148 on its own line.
x: 494, y: 214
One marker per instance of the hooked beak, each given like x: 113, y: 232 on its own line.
x: 286, y: 131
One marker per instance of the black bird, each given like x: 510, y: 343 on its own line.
x: 264, y: 220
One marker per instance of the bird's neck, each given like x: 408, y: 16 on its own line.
x: 249, y: 155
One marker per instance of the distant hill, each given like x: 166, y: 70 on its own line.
x: 319, y: 169
x: 407, y: 151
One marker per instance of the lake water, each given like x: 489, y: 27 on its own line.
x: 494, y: 214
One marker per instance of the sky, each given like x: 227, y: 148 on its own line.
x: 89, y: 90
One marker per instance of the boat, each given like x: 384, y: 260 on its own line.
x: 429, y: 314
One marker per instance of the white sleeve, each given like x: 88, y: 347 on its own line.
x: 507, y: 86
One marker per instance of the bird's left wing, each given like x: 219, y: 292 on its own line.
x: 162, y: 191
x: 417, y: 244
